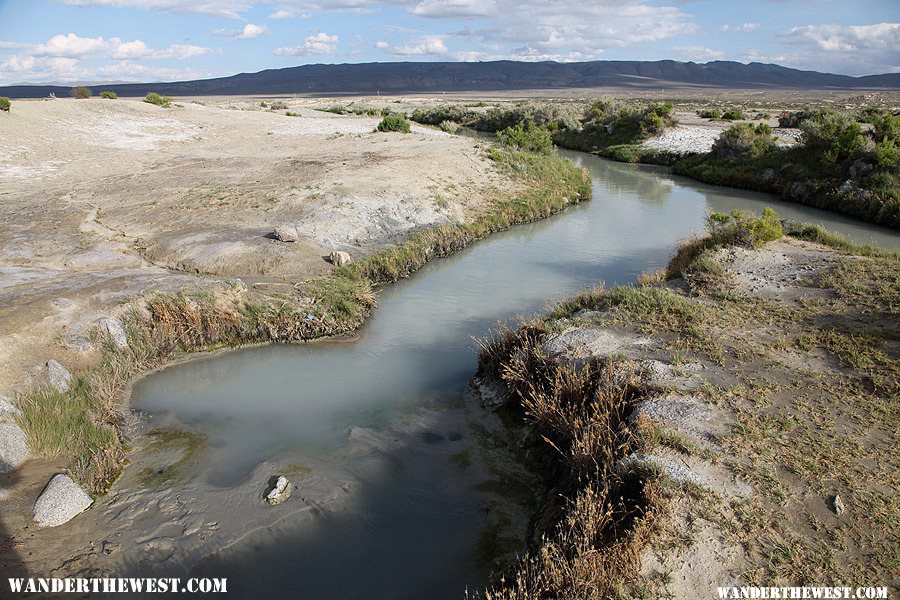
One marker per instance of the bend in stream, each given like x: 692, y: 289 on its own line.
x: 417, y: 527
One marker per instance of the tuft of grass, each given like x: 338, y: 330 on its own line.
x: 394, y: 122
x: 154, y: 98
x: 76, y: 425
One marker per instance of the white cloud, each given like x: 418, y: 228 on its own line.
x: 288, y: 13
x: 222, y: 8
x: 427, y: 44
x: 69, y: 45
x: 381, y: 44
x: 855, y: 49
x: 742, y: 27
x: 320, y: 43
x: 698, y: 53
x: 249, y: 32
x: 69, y: 57
x: 454, y: 8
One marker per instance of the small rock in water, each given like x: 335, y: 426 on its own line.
x: 286, y: 233
x: 60, y: 501
x: 59, y: 376
x: 280, y: 492
x: 339, y: 259
x: 838, y: 505
x: 115, y: 331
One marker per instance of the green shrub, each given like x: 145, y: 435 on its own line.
x: 526, y: 136
x: 337, y: 110
x: 4, y: 103
x: 746, y: 139
x: 292, y: 114
x: 263, y: 104
x: 710, y: 113
x: 449, y: 126
x: 81, y: 93
x: 154, y: 98
x: 440, y: 114
x: 733, y: 114
x: 737, y: 229
x: 792, y: 120
x: 108, y: 95
x: 835, y: 136
x: 394, y: 122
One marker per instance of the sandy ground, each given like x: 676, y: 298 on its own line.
x: 102, y: 201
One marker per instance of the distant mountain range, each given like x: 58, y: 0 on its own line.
x: 410, y: 77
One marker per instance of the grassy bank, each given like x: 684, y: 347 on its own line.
x: 81, y: 427
x: 808, y: 379
x: 847, y: 163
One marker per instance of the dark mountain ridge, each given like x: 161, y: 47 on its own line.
x: 411, y: 77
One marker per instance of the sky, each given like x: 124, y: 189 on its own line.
x: 91, y: 41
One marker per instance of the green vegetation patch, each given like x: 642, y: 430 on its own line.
x: 108, y: 95
x: 4, y: 103
x: 394, y: 122
x: 186, y: 442
x: 154, y: 98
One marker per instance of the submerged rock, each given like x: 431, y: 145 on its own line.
x: 339, y: 259
x: 60, y: 501
x: 13, y: 447
x: 115, y: 331
x: 59, y: 377
x: 286, y: 233
x: 280, y: 492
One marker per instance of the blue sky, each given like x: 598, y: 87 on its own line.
x: 88, y: 41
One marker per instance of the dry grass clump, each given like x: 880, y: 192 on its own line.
x: 607, y: 516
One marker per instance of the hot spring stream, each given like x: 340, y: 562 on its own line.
x: 418, y: 522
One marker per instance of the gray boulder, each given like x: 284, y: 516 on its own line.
x: 339, y: 259
x: 115, y: 331
x: 8, y: 410
x: 59, y: 377
x: 280, y: 492
x: 286, y: 233
x: 13, y: 447
x: 60, y: 501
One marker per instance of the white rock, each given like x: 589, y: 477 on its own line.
x: 838, y: 505
x: 60, y: 501
x: 13, y: 447
x: 594, y: 341
x: 281, y: 491
x: 286, y: 233
x: 8, y: 410
x: 339, y: 259
x: 59, y: 376
x: 115, y: 331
